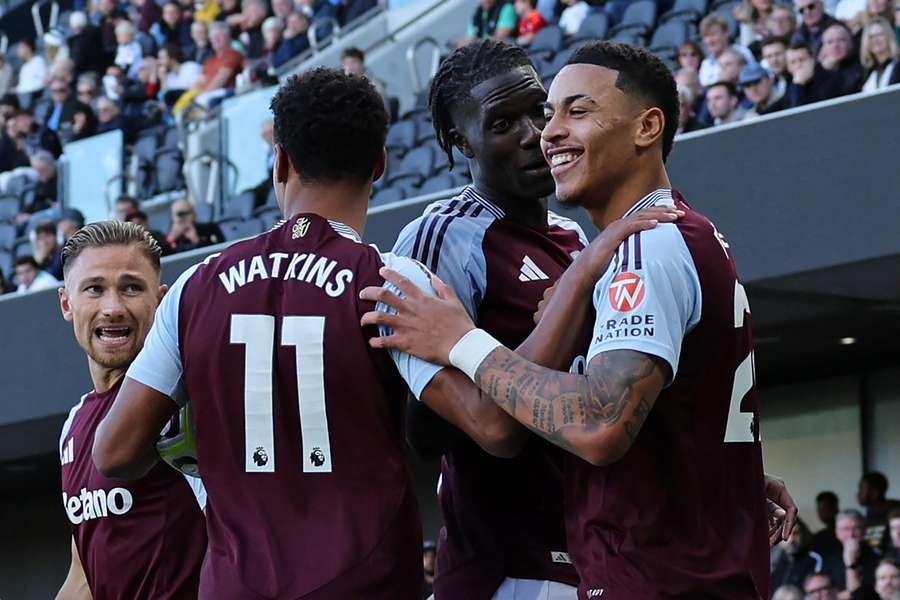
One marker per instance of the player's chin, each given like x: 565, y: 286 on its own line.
x: 115, y: 358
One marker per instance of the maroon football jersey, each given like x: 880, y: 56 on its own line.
x: 136, y: 539
x: 502, y: 517
x: 298, y: 422
x: 682, y: 514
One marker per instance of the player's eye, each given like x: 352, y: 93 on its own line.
x: 576, y: 112
x: 500, y: 125
x: 94, y: 290
x: 134, y: 288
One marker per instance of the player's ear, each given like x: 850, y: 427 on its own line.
x: 64, y: 305
x: 163, y: 288
x: 380, y: 166
x: 281, y: 169
x: 459, y: 140
x: 650, y: 126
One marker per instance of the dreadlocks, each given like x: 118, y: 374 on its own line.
x: 463, y: 69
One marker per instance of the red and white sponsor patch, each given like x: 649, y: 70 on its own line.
x: 626, y: 292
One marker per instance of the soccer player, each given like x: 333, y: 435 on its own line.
x: 500, y: 249
x: 298, y: 421
x: 664, y: 468
x: 142, y: 539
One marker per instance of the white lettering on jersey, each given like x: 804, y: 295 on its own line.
x: 595, y: 592
x: 96, y: 504
x: 308, y: 268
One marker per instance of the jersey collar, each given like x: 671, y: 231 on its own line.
x: 662, y: 196
x: 471, y: 193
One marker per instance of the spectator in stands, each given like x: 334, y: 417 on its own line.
x: 272, y: 31
x: 139, y: 217
x: 114, y: 82
x: 347, y: 11
x: 223, y: 66
x: 892, y: 550
x: 818, y: 586
x: 530, y: 21
x: 12, y: 147
x: 759, y: 87
x: 30, y: 277
x: 85, y: 45
x: 810, y: 82
x: 6, y: 286
x: 689, y: 80
x: 176, y: 75
x: 7, y: 76
x: 44, y: 166
x: 47, y: 251
x: 61, y: 111
x: 128, y: 50
x: 687, y: 120
x: 731, y: 62
x: 108, y: 115
x: 70, y: 221
x: 871, y: 10
x: 124, y: 206
x: 792, y: 560
x: 887, y: 579
x: 35, y: 135
x: 853, y: 567
x: 492, y: 19
x: 872, y: 495
x: 106, y: 16
x: 171, y: 28
x: 138, y: 109
x: 723, y: 102
x: 753, y: 16
x: 788, y: 592
x: 146, y: 14
x: 186, y: 233
x: 31, y: 74
x: 815, y: 22
x: 782, y: 23
x: 86, y: 88
x: 573, y: 15
x: 84, y: 123
x: 253, y: 13
x: 714, y: 30
x: 690, y: 55
x: 837, y: 55
x: 774, y: 54
x: 282, y: 8
x: 294, y: 39
x: 353, y: 61
x: 879, y: 56
x: 200, y: 49
x: 827, y: 507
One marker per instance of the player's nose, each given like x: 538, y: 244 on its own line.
x: 112, y: 305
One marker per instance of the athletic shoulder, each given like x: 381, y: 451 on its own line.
x: 67, y: 425
x: 557, y: 220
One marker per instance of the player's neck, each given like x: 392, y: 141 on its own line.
x: 605, y: 209
x: 531, y: 212
x: 342, y: 202
x: 105, y: 378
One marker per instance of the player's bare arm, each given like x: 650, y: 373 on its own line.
x: 75, y: 587
x: 125, y: 442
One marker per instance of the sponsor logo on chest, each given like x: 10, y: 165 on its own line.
x: 97, y: 504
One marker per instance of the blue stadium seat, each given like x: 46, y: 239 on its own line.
x: 594, y: 27
x: 22, y: 248
x: 387, y: 195
x: 239, y: 206
x: 640, y: 16
x: 269, y: 216
x: 238, y: 230
x: 668, y: 37
x: 726, y: 11
x: 401, y: 136
x: 437, y: 183
x: 546, y: 41
x: 686, y: 10
x: 417, y: 165
x: 9, y: 206
x: 167, y: 166
x: 6, y: 264
x: 629, y: 36
x: 7, y: 236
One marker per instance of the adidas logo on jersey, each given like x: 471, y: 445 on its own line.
x: 560, y: 557
x: 94, y: 504
x: 68, y: 453
x: 530, y: 271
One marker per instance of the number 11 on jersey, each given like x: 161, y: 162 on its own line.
x: 307, y: 335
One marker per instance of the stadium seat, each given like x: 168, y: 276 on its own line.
x: 238, y: 230
x: 417, y: 165
x: 239, y: 206
x: 387, y: 195
x: 268, y: 215
x: 22, y: 248
x: 167, y: 164
x: 205, y: 211
x: 437, y: 183
x: 546, y: 41
x: 629, y: 36
x: 726, y: 11
x: 594, y: 27
x: 9, y: 206
x: 685, y: 10
x: 18, y: 184
x: 6, y: 264
x: 668, y: 37
x: 420, y: 106
x: 401, y: 136
x: 460, y: 179
x: 559, y: 61
x: 639, y: 16
x: 7, y: 235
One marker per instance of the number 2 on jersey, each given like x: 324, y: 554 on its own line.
x: 306, y: 334
x: 739, y: 427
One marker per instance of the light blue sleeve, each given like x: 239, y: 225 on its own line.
x: 199, y: 490
x: 158, y: 365
x: 649, y: 298
x: 416, y: 372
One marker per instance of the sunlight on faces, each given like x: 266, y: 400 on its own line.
x: 589, y: 138
x: 887, y: 580
x: 110, y: 296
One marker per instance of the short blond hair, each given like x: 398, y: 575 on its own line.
x: 110, y: 233
x: 865, y: 55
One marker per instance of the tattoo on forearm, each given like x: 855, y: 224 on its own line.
x: 559, y: 405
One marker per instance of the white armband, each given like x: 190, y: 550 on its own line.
x: 471, y: 350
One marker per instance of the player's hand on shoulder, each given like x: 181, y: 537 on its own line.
x: 424, y: 325
x: 594, y: 260
x: 782, y: 510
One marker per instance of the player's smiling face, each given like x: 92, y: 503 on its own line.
x: 501, y: 130
x: 589, y: 136
x: 111, y: 296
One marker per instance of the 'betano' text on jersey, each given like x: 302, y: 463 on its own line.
x: 682, y: 514
x: 298, y: 421
x: 502, y: 517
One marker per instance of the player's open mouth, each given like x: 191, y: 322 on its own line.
x: 113, y: 336
x: 562, y: 159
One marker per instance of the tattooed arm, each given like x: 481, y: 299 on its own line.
x: 595, y: 416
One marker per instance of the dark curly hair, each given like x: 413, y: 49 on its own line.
x: 641, y: 74
x: 331, y: 125
x: 463, y: 69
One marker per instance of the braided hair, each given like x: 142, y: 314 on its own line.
x: 463, y: 69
